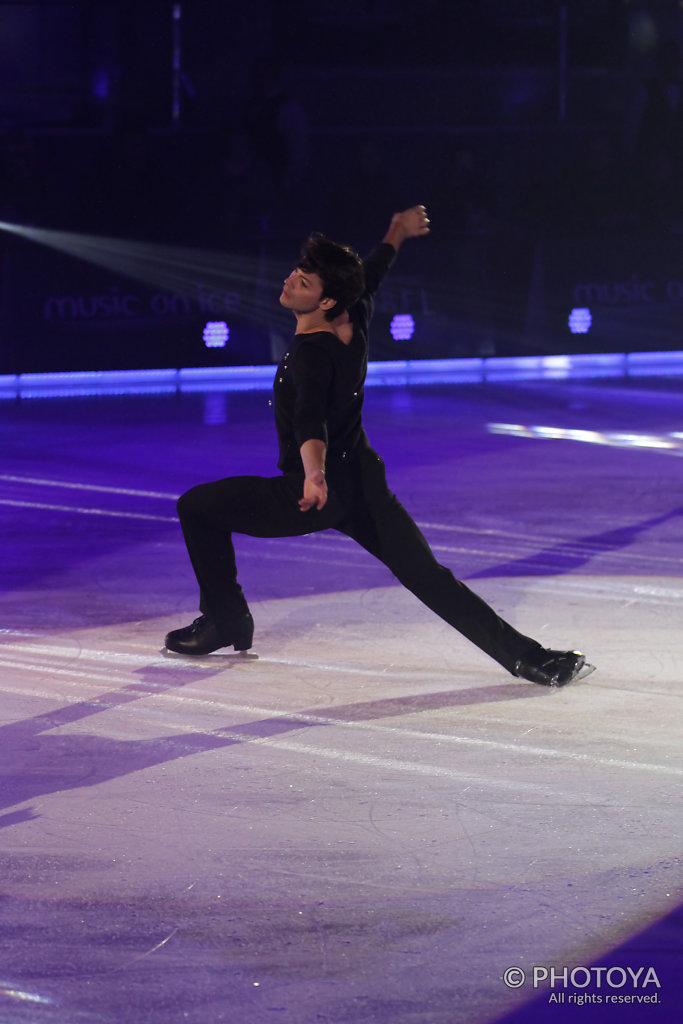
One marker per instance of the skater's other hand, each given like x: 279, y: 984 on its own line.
x: 315, y: 492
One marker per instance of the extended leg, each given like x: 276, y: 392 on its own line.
x: 384, y: 528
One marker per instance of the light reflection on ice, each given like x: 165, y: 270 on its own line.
x: 24, y: 997
x: 671, y: 443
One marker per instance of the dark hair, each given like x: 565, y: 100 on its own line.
x: 339, y: 268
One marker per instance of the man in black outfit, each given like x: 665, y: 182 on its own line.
x: 330, y: 476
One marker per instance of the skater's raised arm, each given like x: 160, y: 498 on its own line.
x: 410, y: 223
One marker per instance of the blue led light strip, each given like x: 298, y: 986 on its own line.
x: 415, y: 372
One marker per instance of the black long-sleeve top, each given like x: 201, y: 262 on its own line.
x: 319, y: 384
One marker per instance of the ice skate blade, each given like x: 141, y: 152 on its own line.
x: 223, y: 653
x: 585, y: 670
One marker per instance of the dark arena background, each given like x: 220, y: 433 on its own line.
x: 363, y: 820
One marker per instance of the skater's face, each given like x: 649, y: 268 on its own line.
x: 303, y: 292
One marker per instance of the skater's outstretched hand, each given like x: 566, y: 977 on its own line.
x: 410, y: 223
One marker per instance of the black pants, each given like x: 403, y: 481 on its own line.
x: 359, y: 505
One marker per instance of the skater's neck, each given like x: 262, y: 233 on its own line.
x: 313, y: 323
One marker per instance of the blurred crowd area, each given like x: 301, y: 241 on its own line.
x: 538, y: 118
x: 274, y: 174
x: 239, y: 132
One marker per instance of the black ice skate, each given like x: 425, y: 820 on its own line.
x: 552, y: 668
x: 203, y: 637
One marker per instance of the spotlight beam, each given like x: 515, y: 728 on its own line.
x: 179, y: 269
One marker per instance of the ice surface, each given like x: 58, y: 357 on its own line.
x: 364, y: 820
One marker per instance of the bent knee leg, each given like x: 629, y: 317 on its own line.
x: 189, y: 503
x: 234, y: 503
x: 204, y: 502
